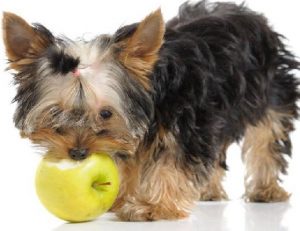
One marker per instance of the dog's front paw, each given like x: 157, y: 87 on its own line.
x: 138, y: 211
x: 134, y: 212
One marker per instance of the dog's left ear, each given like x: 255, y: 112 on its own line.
x: 23, y: 42
x: 139, y: 52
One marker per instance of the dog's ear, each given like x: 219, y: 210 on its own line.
x: 139, y: 51
x: 23, y: 42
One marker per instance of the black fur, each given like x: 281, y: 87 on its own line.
x: 139, y: 105
x: 27, y: 93
x: 50, y: 39
x: 219, y: 70
x: 61, y: 62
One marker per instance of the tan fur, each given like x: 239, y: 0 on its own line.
x: 263, y: 162
x: 63, y: 90
x: 117, y: 137
x: 23, y: 43
x: 130, y: 169
x: 140, y: 52
x: 155, y: 182
x: 128, y: 173
x: 153, y: 190
x: 213, y: 189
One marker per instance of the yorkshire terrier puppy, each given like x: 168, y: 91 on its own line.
x: 165, y: 100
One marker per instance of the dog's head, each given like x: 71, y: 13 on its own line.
x: 78, y: 97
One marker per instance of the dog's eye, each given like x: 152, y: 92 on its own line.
x: 122, y: 155
x: 59, y: 131
x: 105, y: 114
x: 102, y: 132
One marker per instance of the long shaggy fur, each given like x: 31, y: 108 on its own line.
x: 165, y: 100
x: 217, y: 73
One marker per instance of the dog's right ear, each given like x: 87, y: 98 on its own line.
x: 23, y: 42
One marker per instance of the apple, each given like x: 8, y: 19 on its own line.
x: 78, y: 191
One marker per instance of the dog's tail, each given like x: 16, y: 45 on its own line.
x: 192, y: 11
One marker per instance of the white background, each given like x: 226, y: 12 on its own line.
x: 19, y: 206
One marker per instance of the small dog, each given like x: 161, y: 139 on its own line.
x: 165, y: 100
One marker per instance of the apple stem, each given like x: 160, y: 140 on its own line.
x: 96, y: 184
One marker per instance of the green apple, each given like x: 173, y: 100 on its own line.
x: 78, y: 191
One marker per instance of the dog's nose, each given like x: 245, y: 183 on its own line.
x: 78, y: 153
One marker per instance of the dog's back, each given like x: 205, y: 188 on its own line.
x: 189, y: 12
x: 224, y: 73
x: 221, y: 68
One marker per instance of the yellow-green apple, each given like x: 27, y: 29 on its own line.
x: 78, y: 191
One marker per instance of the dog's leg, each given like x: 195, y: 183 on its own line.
x: 128, y: 181
x: 213, y: 189
x: 263, y: 151
x: 157, y: 189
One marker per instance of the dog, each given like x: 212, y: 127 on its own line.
x: 165, y: 100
